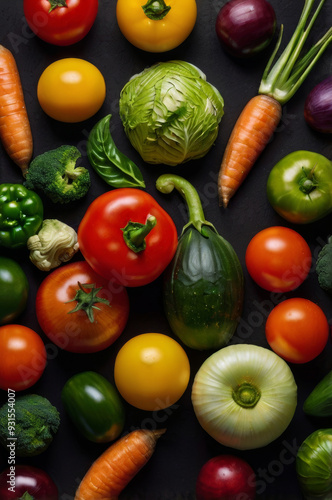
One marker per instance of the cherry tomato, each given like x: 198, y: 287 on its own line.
x: 19, y: 480
x: 297, y: 330
x: 23, y: 357
x: 127, y: 236
x: 151, y: 371
x: 60, y: 24
x: 71, y: 90
x: 79, y: 310
x: 278, y: 259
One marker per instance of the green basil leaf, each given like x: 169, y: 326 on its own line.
x: 109, y: 163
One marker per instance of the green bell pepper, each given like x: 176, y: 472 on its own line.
x: 21, y: 215
x: 299, y: 187
x: 94, y: 406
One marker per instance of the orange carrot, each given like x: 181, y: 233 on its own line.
x: 260, y: 117
x: 15, y: 131
x: 251, y: 133
x: 119, y: 463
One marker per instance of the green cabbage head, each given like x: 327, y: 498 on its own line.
x: 170, y: 113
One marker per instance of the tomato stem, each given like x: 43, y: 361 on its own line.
x: 134, y: 233
x: 307, y: 182
x: 156, y: 9
x: 86, y: 300
x: 57, y: 3
x: 246, y: 395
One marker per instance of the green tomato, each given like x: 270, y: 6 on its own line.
x: 94, y: 406
x: 14, y: 289
x: 299, y: 187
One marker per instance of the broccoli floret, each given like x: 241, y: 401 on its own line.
x: 55, y: 174
x: 34, y: 423
x: 324, y: 266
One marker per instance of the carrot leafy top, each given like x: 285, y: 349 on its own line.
x: 282, y: 79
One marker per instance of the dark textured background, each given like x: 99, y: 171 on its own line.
x: 172, y: 472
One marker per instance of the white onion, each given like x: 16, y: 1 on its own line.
x: 271, y: 388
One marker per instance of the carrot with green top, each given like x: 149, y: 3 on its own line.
x: 119, y: 463
x: 15, y: 131
x: 261, y: 116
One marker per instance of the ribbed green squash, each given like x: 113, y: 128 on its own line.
x: 203, y: 285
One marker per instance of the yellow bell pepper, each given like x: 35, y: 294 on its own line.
x: 156, y: 26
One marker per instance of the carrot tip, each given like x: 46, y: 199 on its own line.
x: 158, y: 432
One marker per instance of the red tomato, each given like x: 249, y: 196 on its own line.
x: 23, y: 357
x: 278, y: 259
x: 110, y: 243
x: 72, y: 312
x: 60, y: 25
x: 297, y: 330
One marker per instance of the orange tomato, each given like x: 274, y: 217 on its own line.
x: 297, y: 330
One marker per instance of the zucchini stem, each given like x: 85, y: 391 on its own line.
x: 167, y: 182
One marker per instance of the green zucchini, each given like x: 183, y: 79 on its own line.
x: 319, y: 401
x: 203, y: 285
x: 94, y: 406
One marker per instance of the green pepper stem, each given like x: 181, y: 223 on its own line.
x: 246, y: 395
x: 135, y: 233
x: 167, y: 182
x: 156, y: 9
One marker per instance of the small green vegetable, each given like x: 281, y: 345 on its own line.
x: 324, y: 266
x: 36, y: 423
x: 113, y: 166
x: 94, y: 406
x: 313, y: 465
x: 21, y: 215
x: 319, y: 401
x: 14, y: 290
x: 55, y: 174
x: 203, y: 285
x: 55, y: 243
x: 299, y: 187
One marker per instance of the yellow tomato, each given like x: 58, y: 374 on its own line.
x: 156, y: 26
x: 71, y: 90
x: 151, y: 371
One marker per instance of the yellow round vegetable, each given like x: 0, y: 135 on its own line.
x: 151, y: 371
x: 71, y: 90
x: 158, y: 25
